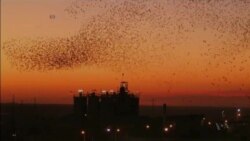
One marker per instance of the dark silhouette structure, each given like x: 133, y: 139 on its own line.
x: 107, y: 104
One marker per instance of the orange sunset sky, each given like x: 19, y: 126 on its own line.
x: 179, y: 52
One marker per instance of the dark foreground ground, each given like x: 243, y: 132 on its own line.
x: 29, y: 122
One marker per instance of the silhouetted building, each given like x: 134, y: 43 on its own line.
x: 107, y: 104
x: 80, y: 103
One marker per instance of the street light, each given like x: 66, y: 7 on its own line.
x: 116, y: 134
x: 165, y: 131
x: 84, y: 135
x: 203, y: 120
x: 171, y: 125
x: 147, y: 126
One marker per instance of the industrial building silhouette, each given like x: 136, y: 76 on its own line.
x: 108, y: 103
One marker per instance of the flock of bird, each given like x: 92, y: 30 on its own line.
x: 141, y: 34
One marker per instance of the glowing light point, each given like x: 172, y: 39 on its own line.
x: 209, y: 123
x: 166, y: 129
x: 108, y: 129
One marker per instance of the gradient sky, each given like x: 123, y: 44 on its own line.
x: 191, y: 63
